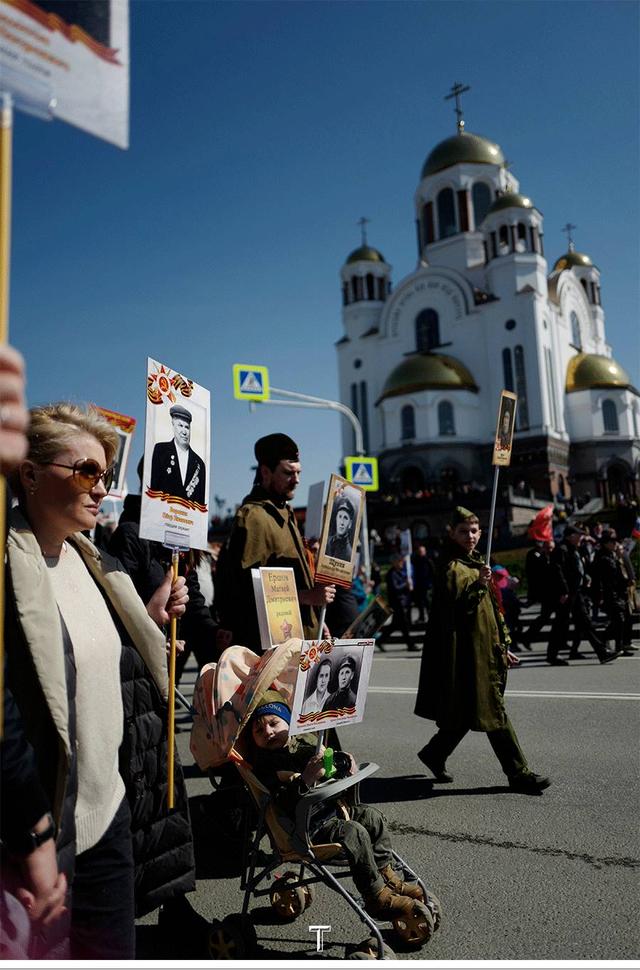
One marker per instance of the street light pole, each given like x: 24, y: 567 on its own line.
x: 309, y: 401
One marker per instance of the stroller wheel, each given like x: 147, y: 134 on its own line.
x: 416, y: 929
x: 368, y: 950
x: 434, y: 906
x: 232, y: 939
x: 288, y: 899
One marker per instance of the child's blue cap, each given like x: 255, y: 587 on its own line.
x: 272, y: 702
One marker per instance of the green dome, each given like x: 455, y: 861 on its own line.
x: 365, y: 253
x: 511, y: 200
x: 572, y: 258
x: 464, y: 147
x: 587, y: 371
x: 427, y: 372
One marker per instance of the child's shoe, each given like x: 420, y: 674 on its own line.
x: 396, y: 885
x: 387, y: 905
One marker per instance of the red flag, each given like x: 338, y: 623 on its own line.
x: 540, y: 528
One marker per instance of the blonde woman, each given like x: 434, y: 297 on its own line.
x: 72, y: 617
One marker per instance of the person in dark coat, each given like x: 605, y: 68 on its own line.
x: 175, y: 467
x: 463, y: 673
x: 399, y: 592
x: 537, y: 567
x: 422, y: 580
x: 569, y: 582
x: 611, y: 583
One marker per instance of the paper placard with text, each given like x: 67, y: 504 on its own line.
x: 332, y: 683
x: 124, y: 427
x: 504, y: 429
x: 340, y: 530
x: 175, y: 481
x: 75, y: 53
x: 277, y: 605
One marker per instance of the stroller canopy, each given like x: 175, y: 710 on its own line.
x: 227, y: 693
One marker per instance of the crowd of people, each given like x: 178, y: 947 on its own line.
x: 88, y: 842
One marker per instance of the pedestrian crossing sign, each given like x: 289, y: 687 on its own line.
x: 363, y: 472
x: 250, y: 382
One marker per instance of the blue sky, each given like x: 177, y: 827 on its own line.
x: 260, y: 133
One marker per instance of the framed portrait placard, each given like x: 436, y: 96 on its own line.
x: 340, y: 530
x: 277, y: 605
x: 370, y: 620
x: 504, y: 429
x: 124, y: 427
x: 175, y: 482
x: 332, y: 683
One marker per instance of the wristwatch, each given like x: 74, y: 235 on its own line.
x: 28, y: 842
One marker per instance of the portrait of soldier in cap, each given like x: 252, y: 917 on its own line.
x: 340, y: 541
x: 344, y: 696
x: 175, y: 467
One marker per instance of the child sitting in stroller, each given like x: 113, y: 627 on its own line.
x: 289, y: 767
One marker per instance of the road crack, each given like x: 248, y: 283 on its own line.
x: 590, y: 860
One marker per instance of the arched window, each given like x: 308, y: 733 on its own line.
x: 503, y: 240
x: 584, y: 287
x: 381, y: 292
x: 576, y: 338
x: 610, y: 417
x: 507, y: 369
x: 446, y: 422
x: 446, y: 214
x: 407, y: 423
x: 370, y: 287
x: 481, y: 200
x: 345, y: 294
x: 522, y: 238
x: 357, y: 288
x: 522, y: 411
x: 427, y: 330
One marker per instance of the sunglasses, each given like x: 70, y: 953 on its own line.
x: 88, y: 473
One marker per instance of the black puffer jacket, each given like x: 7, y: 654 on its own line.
x: 162, y: 841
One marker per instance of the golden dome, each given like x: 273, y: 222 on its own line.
x: 463, y: 147
x: 511, y: 200
x: 586, y: 371
x: 427, y: 372
x: 366, y: 253
x: 572, y: 258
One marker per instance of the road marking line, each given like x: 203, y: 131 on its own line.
x: 588, y: 695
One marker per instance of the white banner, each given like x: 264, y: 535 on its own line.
x: 83, y: 63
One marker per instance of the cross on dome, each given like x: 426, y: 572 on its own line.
x: 456, y: 90
x: 568, y: 229
x: 362, y: 222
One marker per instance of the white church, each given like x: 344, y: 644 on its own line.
x: 422, y: 363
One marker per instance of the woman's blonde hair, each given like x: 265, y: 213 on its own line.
x: 54, y: 427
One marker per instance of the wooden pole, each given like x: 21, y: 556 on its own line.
x: 492, y: 514
x: 6, y: 133
x: 171, y: 728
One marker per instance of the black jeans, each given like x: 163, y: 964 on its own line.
x: 574, y: 609
x: 102, y: 898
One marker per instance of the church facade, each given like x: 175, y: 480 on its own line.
x: 422, y: 364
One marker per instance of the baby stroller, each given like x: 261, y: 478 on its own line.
x: 225, y: 697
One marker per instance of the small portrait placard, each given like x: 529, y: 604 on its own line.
x: 340, y: 531
x: 175, y: 483
x: 124, y: 427
x: 277, y: 605
x: 331, y: 688
x: 505, y: 429
x: 372, y: 619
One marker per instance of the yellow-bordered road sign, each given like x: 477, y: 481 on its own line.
x: 250, y: 382
x: 362, y: 471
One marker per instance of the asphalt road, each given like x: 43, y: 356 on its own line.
x: 551, y: 877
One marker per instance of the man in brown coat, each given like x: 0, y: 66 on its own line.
x: 265, y: 533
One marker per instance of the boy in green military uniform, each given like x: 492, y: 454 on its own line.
x: 464, y: 666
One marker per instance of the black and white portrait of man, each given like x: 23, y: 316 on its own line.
x: 175, y: 467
